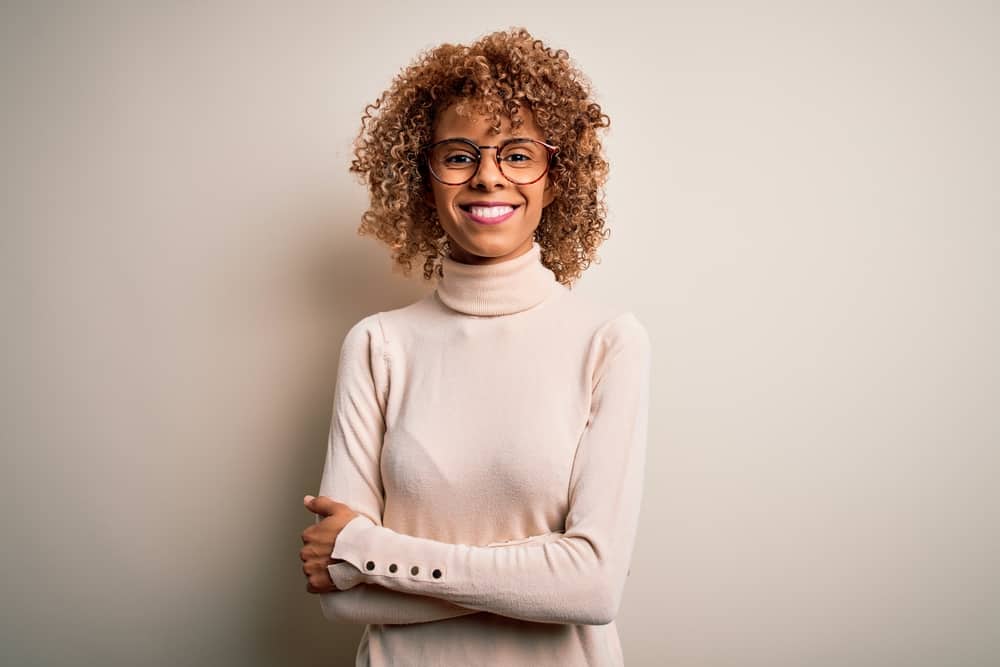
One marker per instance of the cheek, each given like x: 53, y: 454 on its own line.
x: 536, y: 198
x: 443, y: 199
x: 433, y: 198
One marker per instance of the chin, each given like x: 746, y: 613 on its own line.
x: 482, y: 249
x: 491, y: 245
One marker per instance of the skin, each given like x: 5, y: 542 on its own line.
x: 318, y: 540
x: 471, y: 243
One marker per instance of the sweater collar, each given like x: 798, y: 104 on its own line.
x: 503, y: 288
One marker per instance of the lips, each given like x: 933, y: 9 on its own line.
x: 488, y: 213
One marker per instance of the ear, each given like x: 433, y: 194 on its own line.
x: 429, y: 198
x: 549, y: 194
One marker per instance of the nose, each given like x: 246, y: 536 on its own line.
x: 488, y: 175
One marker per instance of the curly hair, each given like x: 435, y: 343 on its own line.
x: 495, y: 75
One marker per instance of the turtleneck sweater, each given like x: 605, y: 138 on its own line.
x: 492, y: 439
x: 503, y: 288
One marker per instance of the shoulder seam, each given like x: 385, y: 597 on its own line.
x: 610, y: 322
x: 383, y: 342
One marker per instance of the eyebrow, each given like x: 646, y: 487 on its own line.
x: 473, y: 141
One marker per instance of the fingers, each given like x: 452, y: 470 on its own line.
x: 314, y: 567
x: 322, y: 505
x: 312, y: 588
x: 308, y: 553
x: 319, y: 582
x: 309, y: 535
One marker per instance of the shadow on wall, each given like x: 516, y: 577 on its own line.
x: 344, y: 280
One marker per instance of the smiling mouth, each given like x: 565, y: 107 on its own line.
x: 488, y: 210
x: 489, y: 214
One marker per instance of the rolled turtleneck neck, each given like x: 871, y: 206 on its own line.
x: 502, y: 288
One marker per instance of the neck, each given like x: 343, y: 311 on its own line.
x: 502, y: 288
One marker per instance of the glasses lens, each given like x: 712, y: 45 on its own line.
x: 524, y: 160
x: 453, y: 161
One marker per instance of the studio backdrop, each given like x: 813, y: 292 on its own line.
x: 802, y: 210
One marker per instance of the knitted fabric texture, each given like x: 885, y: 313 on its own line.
x: 492, y: 438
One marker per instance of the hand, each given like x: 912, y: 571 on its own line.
x: 319, y: 540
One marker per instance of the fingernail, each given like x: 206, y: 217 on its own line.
x: 309, y: 499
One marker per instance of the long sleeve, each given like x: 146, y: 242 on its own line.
x: 351, y: 476
x: 374, y: 604
x: 371, y: 603
x: 578, y: 576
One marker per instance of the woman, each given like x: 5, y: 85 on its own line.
x: 482, y: 486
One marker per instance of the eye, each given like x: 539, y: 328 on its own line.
x: 459, y: 159
x: 522, y: 153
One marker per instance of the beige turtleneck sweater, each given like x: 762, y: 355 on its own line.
x: 492, y: 437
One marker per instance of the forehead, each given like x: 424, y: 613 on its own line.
x: 473, y: 125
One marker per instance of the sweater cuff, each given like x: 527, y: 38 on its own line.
x: 348, y: 574
x: 344, y: 575
x: 378, y: 553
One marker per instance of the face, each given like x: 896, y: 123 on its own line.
x: 473, y: 239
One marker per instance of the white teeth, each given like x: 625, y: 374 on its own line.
x: 490, y: 211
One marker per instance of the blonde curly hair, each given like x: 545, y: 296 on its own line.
x: 495, y: 75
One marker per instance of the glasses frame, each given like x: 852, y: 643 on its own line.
x: 427, y: 148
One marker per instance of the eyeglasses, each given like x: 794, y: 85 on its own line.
x: 522, y: 161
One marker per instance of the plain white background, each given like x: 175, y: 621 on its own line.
x: 804, y: 212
